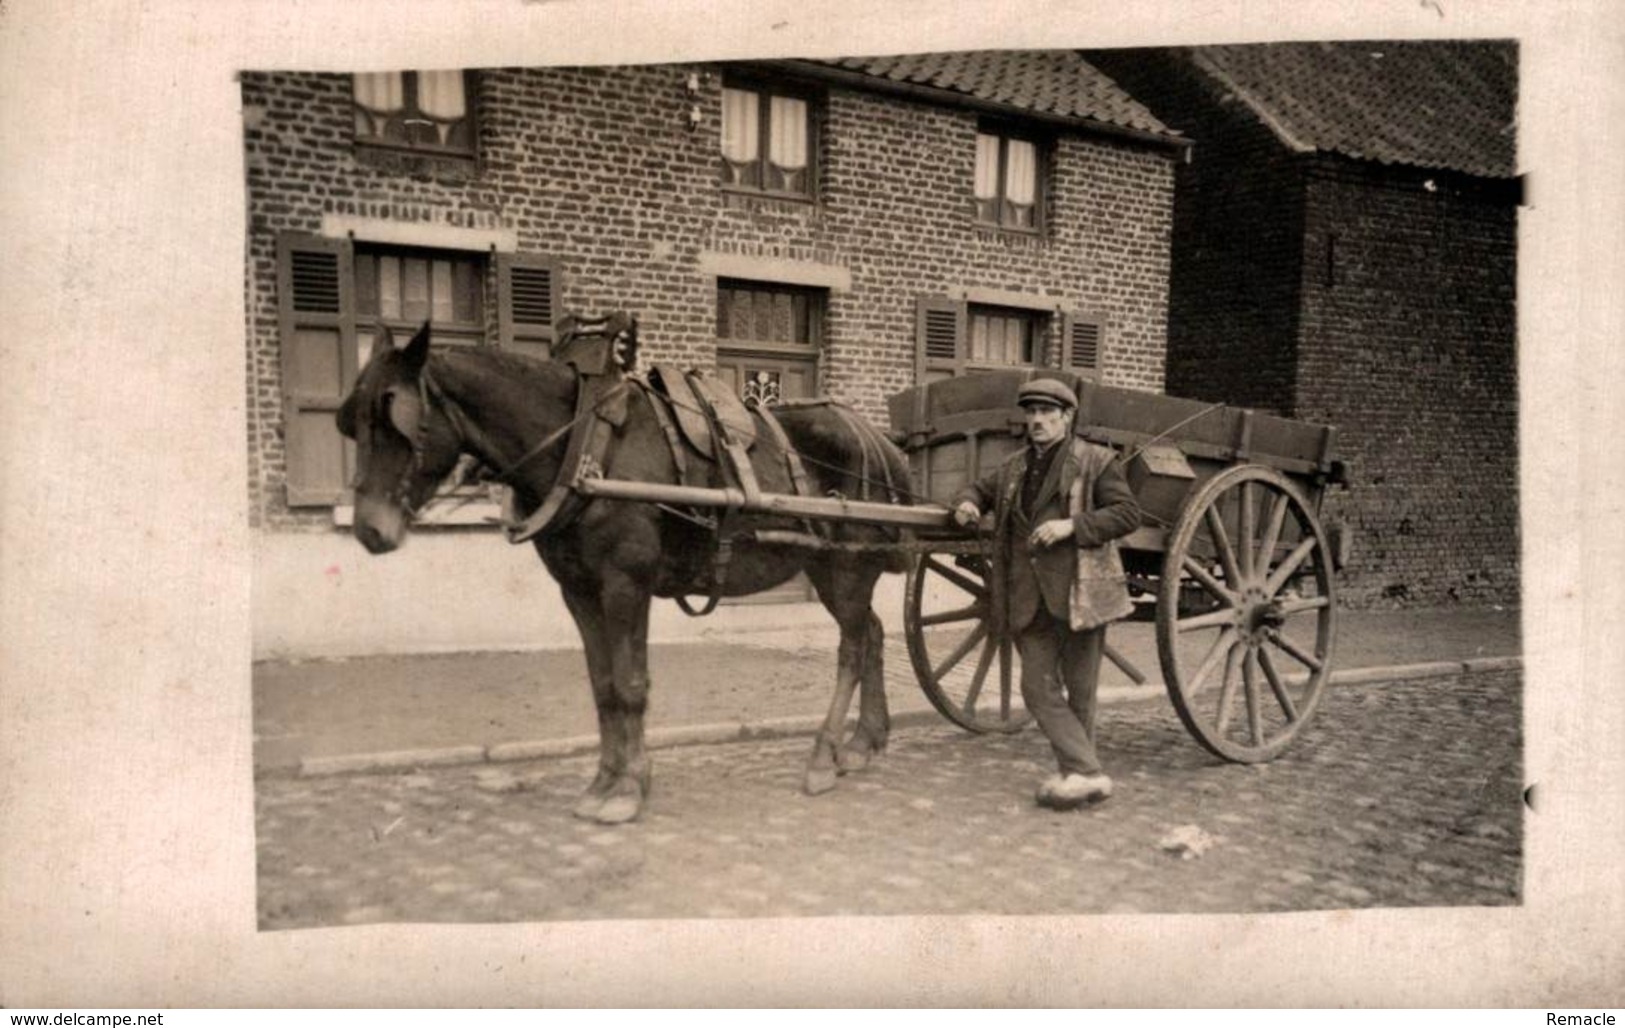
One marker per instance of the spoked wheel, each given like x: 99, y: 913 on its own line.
x: 1246, y: 607
x: 968, y: 671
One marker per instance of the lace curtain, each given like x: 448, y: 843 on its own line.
x: 440, y: 95
x: 787, y: 118
x: 383, y: 92
x: 1020, y: 172
x: 739, y: 126
x: 987, y: 166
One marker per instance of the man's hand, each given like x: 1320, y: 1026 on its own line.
x: 967, y: 514
x: 1051, y: 532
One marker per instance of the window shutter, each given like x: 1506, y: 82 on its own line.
x: 528, y: 291
x: 316, y: 332
x: 1083, y: 339
x: 939, y: 338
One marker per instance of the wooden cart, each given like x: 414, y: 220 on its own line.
x: 1233, y: 563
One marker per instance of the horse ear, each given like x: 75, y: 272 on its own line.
x: 346, y: 417
x: 416, y: 353
x: 383, y: 340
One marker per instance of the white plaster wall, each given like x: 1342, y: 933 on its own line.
x: 322, y: 595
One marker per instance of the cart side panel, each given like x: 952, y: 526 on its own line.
x: 1210, y: 436
x: 1125, y: 416
x: 961, y: 449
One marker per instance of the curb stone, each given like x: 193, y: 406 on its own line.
x: 785, y: 727
x: 1368, y: 675
x: 395, y: 760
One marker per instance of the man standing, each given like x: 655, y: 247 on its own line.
x: 1038, y: 529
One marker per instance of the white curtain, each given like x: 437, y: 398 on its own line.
x: 987, y: 166
x: 787, y: 118
x: 1021, y: 173
x: 739, y: 126
x: 380, y: 91
x: 389, y: 287
x: 440, y: 94
x: 440, y: 292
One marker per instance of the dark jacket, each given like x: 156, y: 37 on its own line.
x: 1029, y: 577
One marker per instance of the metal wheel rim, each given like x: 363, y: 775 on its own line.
x: 1253, y: 648
x: 991, y: 683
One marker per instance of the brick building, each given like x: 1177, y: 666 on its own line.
x: 795, y: 224
x: 1345, y: 251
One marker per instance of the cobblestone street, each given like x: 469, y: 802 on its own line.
x: 1400, y: 794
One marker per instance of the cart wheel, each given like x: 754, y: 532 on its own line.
x: 953, y: 647
x: 1246, y: 601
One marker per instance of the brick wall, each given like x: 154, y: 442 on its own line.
x: 1237, y: 233
x: 1402, y: 336
x: 1408, y: 346
x: 599, y: 168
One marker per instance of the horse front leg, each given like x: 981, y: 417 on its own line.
x: 874, y: 719
x: 823, y: 765
x: 589, y: 619
x: 626, y: 607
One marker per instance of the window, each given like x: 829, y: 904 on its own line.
x: 1001, y: 336
x: 426, y: 111
x: 1008, y: 190
x: 402, y: 287
x: 767, y: 141
x: 759, y: 315
x: 333, y: 295
x: 956, y: 337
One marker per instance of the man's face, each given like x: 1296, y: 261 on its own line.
x: 1045, y: 423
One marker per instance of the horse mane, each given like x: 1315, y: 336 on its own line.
x: 498, y: 359
x: 496, y: 372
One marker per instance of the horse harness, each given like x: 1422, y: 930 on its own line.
x: 698, y: 416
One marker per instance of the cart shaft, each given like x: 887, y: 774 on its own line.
x: 826, y: 508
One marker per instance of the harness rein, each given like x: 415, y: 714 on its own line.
x: 430, y: 393
x: 581, y: 458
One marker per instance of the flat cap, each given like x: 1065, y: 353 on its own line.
x: 1047, y: 390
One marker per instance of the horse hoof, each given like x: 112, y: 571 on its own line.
x: 855, y: 758
x: 587, y: 807
x: 618, y: 810
x: 819, y: 781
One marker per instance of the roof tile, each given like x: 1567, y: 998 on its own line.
x: 1052, y: 82
x: 1434, y: 104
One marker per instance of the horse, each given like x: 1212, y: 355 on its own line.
x: 414, y: 414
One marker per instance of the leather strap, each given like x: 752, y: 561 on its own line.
x: 562, y: 502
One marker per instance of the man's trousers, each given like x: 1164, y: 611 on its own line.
x: 1060, y: 674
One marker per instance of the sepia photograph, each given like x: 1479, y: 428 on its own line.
x: 995, y: 504
x: 728, y: 340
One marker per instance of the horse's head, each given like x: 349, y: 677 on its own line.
x: 405, y: 444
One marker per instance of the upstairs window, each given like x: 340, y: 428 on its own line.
x: 1009, y: 193
x: 767, y: 141
x: 419, y: 111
